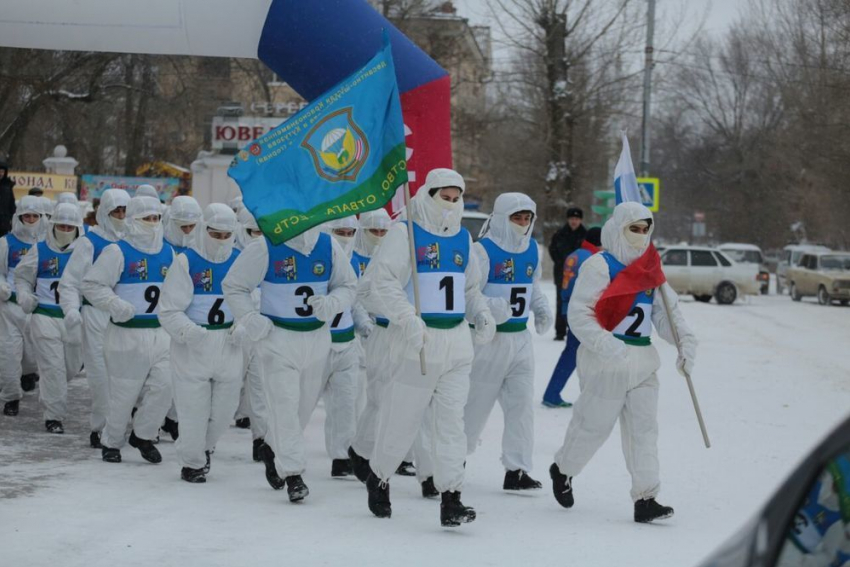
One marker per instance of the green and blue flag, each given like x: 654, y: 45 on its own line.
x: 342, y: 155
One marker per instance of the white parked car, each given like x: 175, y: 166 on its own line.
x: 707, y: 272
x: 749, y: 254
x: 790, y: 257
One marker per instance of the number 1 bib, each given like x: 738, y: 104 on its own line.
x: 50, y: 267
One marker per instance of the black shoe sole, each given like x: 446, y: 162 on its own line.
x: 267, y: 458
x: 650, y: 520
x: 194, y: 479
x: 456, y: 522
x: 113, y: 459
x: 299, y: 495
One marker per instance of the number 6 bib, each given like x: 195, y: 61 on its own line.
x: 208, y: 308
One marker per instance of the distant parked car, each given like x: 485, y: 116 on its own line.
x: 790, y: 257
x: 706, y: 273
x: 473, y: 221
x: 822, y: 274
x: 749, y: 254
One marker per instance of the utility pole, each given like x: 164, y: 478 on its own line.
x: 647, y: 88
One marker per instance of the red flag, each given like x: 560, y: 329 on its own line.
x: 617, y: 299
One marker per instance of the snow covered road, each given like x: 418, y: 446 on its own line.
x: 773, y: 377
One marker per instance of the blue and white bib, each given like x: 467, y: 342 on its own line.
x: 17, y: 250
x: 636, y: 327
x: 510, y: 276
x: 291, y: 279
x: 50, y: 267
x: 441, y: 265
x: 141, y: 280
x: 208, y: 307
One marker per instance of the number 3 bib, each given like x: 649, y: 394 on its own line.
x: 140, y: 283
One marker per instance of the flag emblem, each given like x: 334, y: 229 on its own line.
x: 338, y: 146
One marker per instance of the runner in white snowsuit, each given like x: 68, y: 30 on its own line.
x: 339, y: 380
x: 16, y: 352
x: 109, y: 229
x: 449, y: 290
x: 617, y: 369
x: 304, y: 283
x: 180, y: 222
x: 206, y: 349
x: 252, y: 399
x: 126, y: 282
x: 503, y: 369
x: 58, y: 350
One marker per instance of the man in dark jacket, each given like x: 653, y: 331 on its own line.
x: 566, y: 241
x: 7, y: 199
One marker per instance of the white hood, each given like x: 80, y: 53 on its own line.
x: 30, y: 234
x: 184, y: 210
x: 66, y: 198
x: 46, y: 206
x: 613, y: 233
x: 498, y: 226
x: 306, y: 241
x: 138, y: 235
x: 364, y: 243
x: 246, y: 222
x: 110, y: 200
x: 220, y: 217
x: 425, y: 211
x: 64, y: 213
x: 146, y: 191
x: 347, y: 222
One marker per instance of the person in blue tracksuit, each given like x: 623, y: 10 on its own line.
x: 567, y: 363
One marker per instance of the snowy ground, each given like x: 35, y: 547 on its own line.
x: 773, y: 376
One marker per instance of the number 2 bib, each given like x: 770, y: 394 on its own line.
x: 636, y: 327
x: 140, y: 283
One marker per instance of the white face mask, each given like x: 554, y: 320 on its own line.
x: 372, y: 239
x: 217, y: 250
x: 344, y: 241
x: 446, y: 205
x: 63, y: 239
x: 30, y: 230
x: 635, y: 240
x: 148, y: 227
x: 117, y: 224
x: 519, y: 230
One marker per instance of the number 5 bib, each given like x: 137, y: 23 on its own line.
x: 511, y: 277
x: 140, y: 283
x: 291, y: 279
x: 441, y: 264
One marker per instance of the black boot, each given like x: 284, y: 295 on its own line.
x: 519, y: 480
x: 94, y: 440
x: 406, y: 468
x: 195, y: 476
x: 341, y: 468
x: 255, y: 451
x: 110, y: 455
x: 146, y: 448
x: 452, y: 511
x: 54, y: 426
x: 267, y: 456
x: 379, y: 496
x: 562, y: 486
x: 11, y: 408
x: 648, y: 510
x: 243, y: 423
x: 206, y: 468
x: 28, y: 382
x: 428, y: 488
x: 359, y: 465
x: 296, y: 488
x: 172, y: 428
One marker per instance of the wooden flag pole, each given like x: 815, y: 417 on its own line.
x: 414, y: 276
x: 687, y: 376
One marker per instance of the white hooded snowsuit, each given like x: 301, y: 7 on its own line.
x: 503, y: 369
x: 184, y: 211
x: 126, y: 281
x: 94, y: 321
x: 58, y: 350
x: 206, y: 351
x: 304, y: 283
x: 16, y: 349
x: 339, y: 380
x: 449, y: 289
x: 619, y: 380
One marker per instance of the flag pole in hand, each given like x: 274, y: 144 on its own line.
x: 414, y: 276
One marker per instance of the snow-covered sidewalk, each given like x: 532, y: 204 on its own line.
x: 773, y: 377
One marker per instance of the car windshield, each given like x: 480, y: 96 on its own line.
x: 473, y: 225
x: 744, y: 256
x: 835, y: 262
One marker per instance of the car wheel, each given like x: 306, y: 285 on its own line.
x: 726, y: 293
x: 794, y: 295
x: 823, y: 296
x: 844, y: 302
x: 703, y: 298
